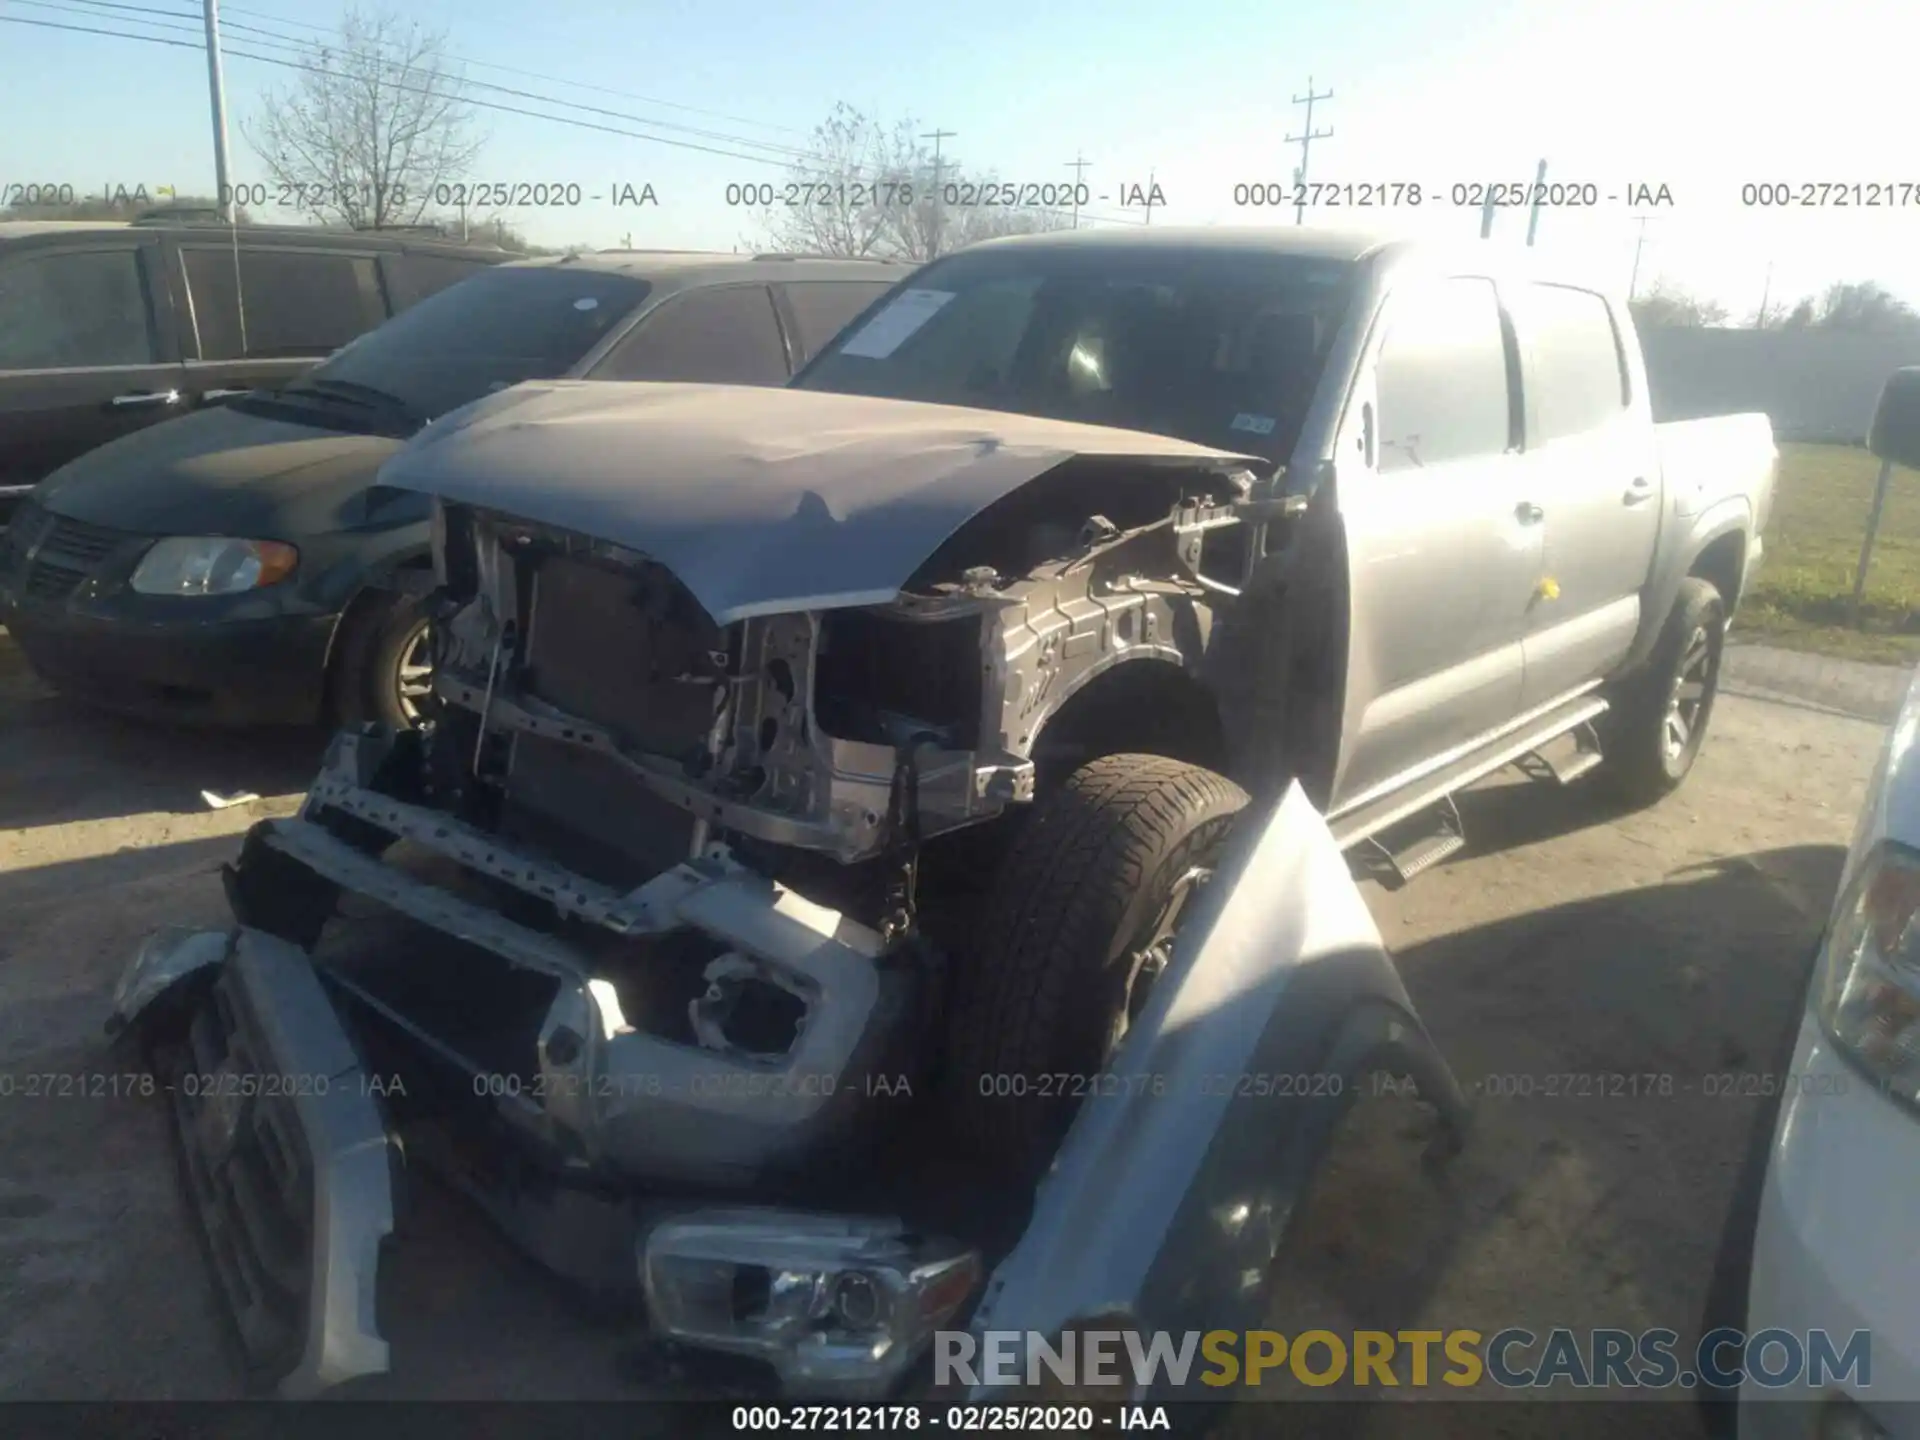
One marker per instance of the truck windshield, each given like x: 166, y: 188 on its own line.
x: 501, y: 326
x: 1219, y: 347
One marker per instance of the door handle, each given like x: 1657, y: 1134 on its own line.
x: 140, y: 399
x: 1528, y: 513
x: 1639, y: 492
x: 224, y: 394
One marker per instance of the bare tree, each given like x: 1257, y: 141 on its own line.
x: 870, y: 189
x: 1666, y: 304
x: 374, y: 123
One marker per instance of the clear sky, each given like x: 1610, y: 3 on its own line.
x: 1701, y: 96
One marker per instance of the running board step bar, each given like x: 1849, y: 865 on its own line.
x: 1555, y: 761
x: 1371, y: 816
x: 1448, y: 836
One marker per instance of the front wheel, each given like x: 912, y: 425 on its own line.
x: 1659, y: 719
x: 383, y: 671
x: 1081, y: 918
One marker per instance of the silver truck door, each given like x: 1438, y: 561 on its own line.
x: 1592, y: 467
x: 1174, y: 1187
x: 1444, y: 551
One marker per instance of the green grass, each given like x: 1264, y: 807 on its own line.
x: 1805, y: 586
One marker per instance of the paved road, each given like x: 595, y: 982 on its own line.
x: 1564, y: 941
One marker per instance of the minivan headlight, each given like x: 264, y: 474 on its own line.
x: 1867, y: 989
x: 212, y: 565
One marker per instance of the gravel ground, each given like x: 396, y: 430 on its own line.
x: 1562, y: 941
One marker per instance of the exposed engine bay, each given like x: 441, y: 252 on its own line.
x: 712, y: 967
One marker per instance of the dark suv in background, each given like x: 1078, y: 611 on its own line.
x: 107, y: 327
x: 240, y: 565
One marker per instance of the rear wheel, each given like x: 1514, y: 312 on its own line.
x: 1659, y: 720
x: 383, y: 671
x: 1080, y: 920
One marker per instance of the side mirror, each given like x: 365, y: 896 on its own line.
x: 1895, y: 435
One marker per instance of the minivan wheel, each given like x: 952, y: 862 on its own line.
x: 383, y: 672
x: 1659, y: 720
x: 1081, y: 918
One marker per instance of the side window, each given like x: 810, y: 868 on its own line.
x: 412, y: 278
x: 74, y: 309
x: 298, y: 302
x: 1442, y: 378
x: 1576, y: 376
x: 822, y: 308
x: 724, y: 335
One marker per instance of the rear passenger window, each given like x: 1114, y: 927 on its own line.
x: 822, y: 308
x: 1442, y: 377
x: 1575, y: 376
x: 297, y: 302
x: 727, y: 335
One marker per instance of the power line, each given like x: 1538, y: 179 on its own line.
x: 303, y: 47
x: 791, y: 160
x: 1305, y: 142
x: 296, y: 42
x: 421, y: 90
x: 537, y: 75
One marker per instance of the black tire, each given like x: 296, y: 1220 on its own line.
x: 1659, y: 719
x: 1043, y: 996
x: 375, y: 641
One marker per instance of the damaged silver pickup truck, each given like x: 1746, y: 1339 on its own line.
x: 877, y: 863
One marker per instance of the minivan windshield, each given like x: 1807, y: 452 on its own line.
x: 506, y: 324
x: 1221, y: 347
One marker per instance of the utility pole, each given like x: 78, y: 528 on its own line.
x: 1079, y: 165
x: 1305, y: 142
x: 222, y: 176
x: 939, y: 202
x: 1539, y: 186
x: 1633, y: 282
x: 1152, y: 181
x: 1486, y: 214
x: 1766, y: 294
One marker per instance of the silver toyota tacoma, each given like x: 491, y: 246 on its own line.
x: 881, y: 858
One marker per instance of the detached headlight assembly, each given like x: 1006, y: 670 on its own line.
x: 839, y: 1306
x: 1868, y: 986
x: 212, y: 565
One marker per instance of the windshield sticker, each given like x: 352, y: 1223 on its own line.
x: 586, y: 302
x: 1253, y: 424
x: 888, y: 330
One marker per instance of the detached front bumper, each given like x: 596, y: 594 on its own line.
x: 286, y: 1154
x: 283, y: 1147
x: 282, y: 1115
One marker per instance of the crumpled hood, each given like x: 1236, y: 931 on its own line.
x: 760, y: 500
x: 220, y: 471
